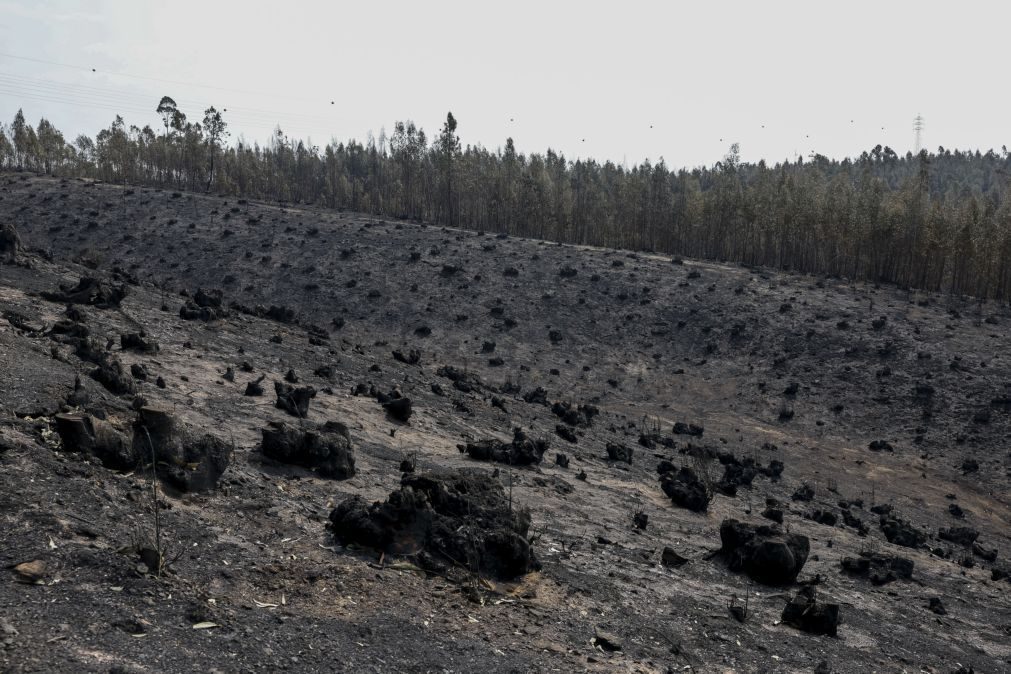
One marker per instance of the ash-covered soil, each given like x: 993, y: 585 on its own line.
x: 857, y: 415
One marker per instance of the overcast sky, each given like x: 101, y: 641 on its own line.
x: 620, y: 80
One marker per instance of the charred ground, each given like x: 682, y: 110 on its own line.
x: 894, y: 399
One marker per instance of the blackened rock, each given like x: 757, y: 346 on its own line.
x: 651, y: 440
x: 561, y: 460
x: 808, y: 615
x: 764, y: 552
x: 212, y: 299
x: 281, y: 314
x: 826, y: 517
x: 79, y: 395
x: 901, y: 532
x: 326, y: 449
x: 90, y: 291
x: 69, y: 332
x: 463, y: 381
x: 666, y: 466
x: 878, y: 568
x: 447, y: 518
x: 682, y: 428
x: 774, y: 514
x: 188, y: 461
x: 294, y: 401
x: 325, y: 371
x: 565, y: 433
x: 851, y: 520
x: 671, y: 559
x: 619, y: 452
x: 111, y: 374
x: 203, y: 306
x: 205, y: 460
x: 522, y: 451
x: 412, y: 357
x: 773, y: 470
x: 399, y: 408
x: 737, y: 475
x: 965, y: 536
x: 84, y: 433
x: 804, y: 493
x: 191, y: 312
x: 987, y: 554
x: 10, y: 242
x: 536, y: 397
x: 686, y: 490
x: 581, y: 415
x: 138, y: 341
x: 254, y: 388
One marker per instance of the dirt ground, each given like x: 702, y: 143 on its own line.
x: 773, y: 366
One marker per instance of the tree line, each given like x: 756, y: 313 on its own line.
x: 937, y: 221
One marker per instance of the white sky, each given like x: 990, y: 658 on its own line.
x: 634, y: 79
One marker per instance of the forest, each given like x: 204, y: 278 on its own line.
x: 938, y: 221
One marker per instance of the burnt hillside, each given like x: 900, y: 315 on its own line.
x: 868, y: 417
